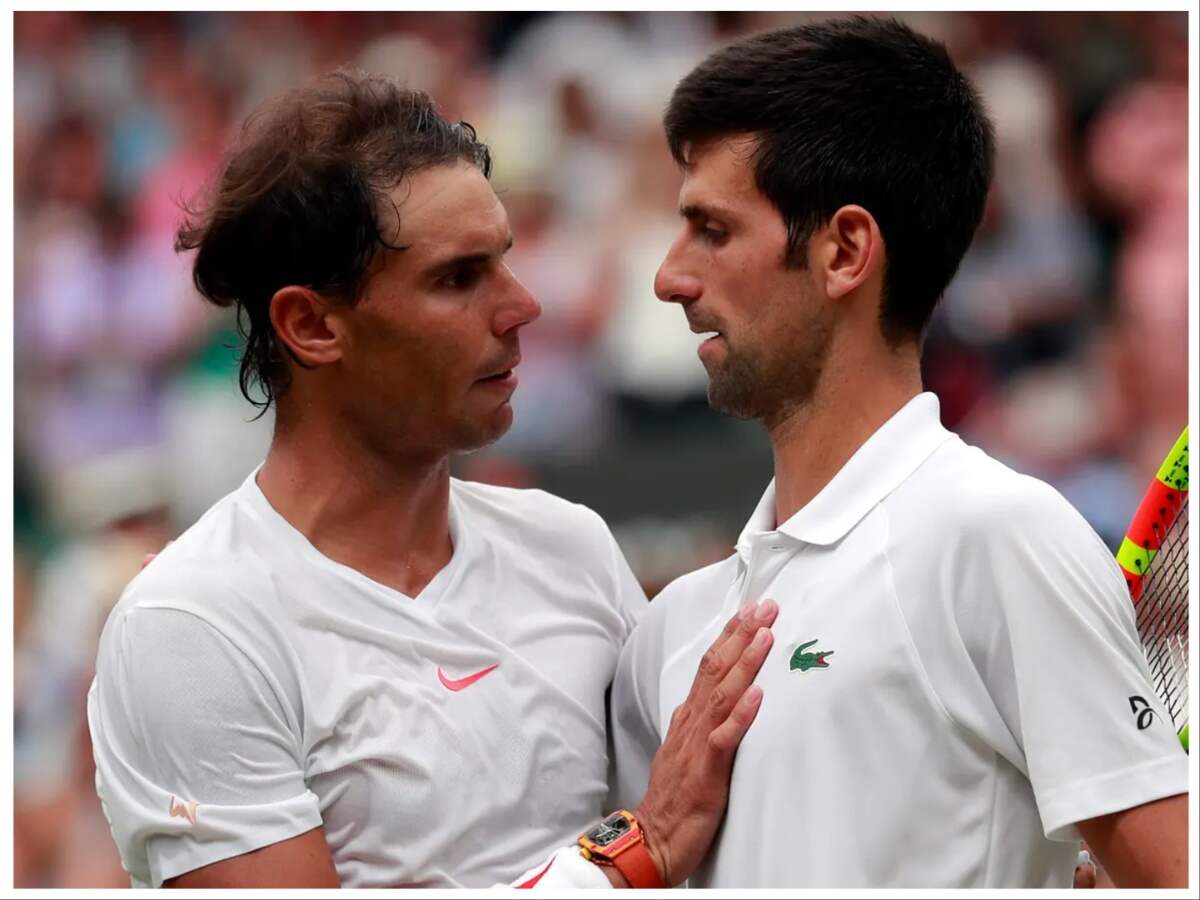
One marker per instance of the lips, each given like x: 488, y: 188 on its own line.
x: 503, y: 371
x: 713, y: 338
x: 704, y: 326
x: 709, y: 346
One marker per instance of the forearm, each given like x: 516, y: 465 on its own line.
x: 1145, y: 846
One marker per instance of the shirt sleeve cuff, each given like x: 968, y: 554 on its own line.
x: 565, y: 870
x: 223, y: 832
x: 1079, y: 801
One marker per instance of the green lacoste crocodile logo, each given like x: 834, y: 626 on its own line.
x: 804, y: 660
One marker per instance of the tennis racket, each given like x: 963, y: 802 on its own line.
x: 1154, y: 558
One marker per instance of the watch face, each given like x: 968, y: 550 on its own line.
x: 609, y: 830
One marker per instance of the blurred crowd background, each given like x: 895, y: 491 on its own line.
x: 1061, y: 346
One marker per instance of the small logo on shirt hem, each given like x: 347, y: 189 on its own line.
x: 184, y: 809
x: 804, y: 660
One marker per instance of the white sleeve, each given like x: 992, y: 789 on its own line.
x: 197, y: 758
x: 1047, y: 618
x: 627, y: 591
x: 634, y: 730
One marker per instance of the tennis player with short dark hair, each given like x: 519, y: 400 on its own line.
x: 948, y: 700
x: 355, y: 670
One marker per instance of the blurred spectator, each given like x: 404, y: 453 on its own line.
x: 1150, y: 327
x: 1022, y: 291
x: 119, y: 505
x: 564, y: 80
x: 1137, y: 148
x: 650, y: 361
x: 560, y: 410
x: 100, y: 322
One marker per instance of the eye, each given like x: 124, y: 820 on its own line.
x: 712, y: 235
x: 462, y: 278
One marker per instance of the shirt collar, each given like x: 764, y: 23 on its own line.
x: 876, y: 469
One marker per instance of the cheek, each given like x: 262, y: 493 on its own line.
x: 777, y: 306
x: 751, y: 286
x: 411, y: 363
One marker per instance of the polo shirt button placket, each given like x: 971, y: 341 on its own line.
x: 743, y: 588
x: 764, y: 566
x: 747, y: 574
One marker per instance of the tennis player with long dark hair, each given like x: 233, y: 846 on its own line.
x: 355, y: 670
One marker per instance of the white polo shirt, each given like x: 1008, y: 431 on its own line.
x: 948, y: 690
x: 249, y: 689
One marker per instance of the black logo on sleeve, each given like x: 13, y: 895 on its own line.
x: 1141, y: 709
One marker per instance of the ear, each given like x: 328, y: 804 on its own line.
x: 303, y: 323
x: 851, y: 250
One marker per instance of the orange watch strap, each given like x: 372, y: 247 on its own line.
x: 637, y: 865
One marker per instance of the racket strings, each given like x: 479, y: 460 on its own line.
x: 1162, y: 618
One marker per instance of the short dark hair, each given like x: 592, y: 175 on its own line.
x: 298, y: 201
x: 854, y: 110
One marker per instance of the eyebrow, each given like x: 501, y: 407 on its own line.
x: 444, y: 266
x: 693, y: 211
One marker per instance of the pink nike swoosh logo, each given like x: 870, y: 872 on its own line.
x: 457, y: 684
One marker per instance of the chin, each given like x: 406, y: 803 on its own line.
x: 479, y: 433
x: 727, y: 405
x: 733, y: 390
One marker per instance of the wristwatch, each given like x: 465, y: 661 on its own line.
x: 619, y: 841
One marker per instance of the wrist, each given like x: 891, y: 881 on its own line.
x: 655, y: 843
x: 614, y: 876
x: 619, y: 842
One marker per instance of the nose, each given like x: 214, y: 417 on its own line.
x: 673, y: 283
x: 519, y: 307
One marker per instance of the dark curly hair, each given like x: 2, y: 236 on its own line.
x: 298, y: 202
x: 860, y: 111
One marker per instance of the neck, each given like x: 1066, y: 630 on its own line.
x: 812, y: 441
x: 385, y: 515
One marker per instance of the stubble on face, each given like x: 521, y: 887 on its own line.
x: 774, y: 365
x: 418, y: 343
x: 732, y: 270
